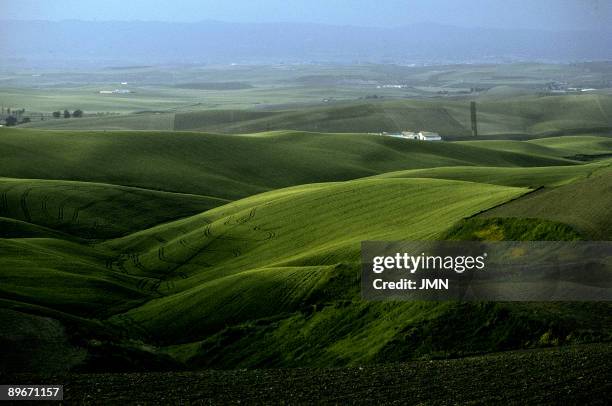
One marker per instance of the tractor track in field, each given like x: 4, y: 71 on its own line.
x: 149, y: 285
x: 23, y: 202
x: 4, y: 205
x: 135, y: 258
x: 3, y: 202
x: 77, y: 210
x: 62, y: 205
x: 119, y: 263
x: 44, y: 206
x: 207, y: 231
x: 198, y: 250
x: 161, y: 256
x: 229, y: 224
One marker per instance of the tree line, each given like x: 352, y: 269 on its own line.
x: 67, y: 114
x: 12, y: 118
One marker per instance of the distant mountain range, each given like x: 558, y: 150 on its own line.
x: 85, y: 42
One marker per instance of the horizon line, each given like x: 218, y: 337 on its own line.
x: 307, y: 23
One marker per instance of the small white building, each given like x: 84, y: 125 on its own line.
x: 116, y: 91
x: 410, y: 135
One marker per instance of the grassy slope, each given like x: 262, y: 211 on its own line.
x: 298, y: 237
x: 567, y: 146
x: 577, y: 145
x: 66, y: 276
x: 284, y: 250
x: 346, y: 117
x: 535, y: 115
x: 230, y: 167
x: 584, y: 205
x: 140, y: 121
x: 530, y: 114
x: 520, y: 177
x: 292, y: 252
x: 92, y: 210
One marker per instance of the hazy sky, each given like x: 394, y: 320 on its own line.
x: 544, y: 14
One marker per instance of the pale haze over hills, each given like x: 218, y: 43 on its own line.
x: 70, y: 33
x: 551, y: 15
x: 70, y: 43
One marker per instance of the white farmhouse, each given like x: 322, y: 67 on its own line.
x: 116, y: 91
x: 410, y: 135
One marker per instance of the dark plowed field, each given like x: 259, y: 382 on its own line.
x: 569, y: 375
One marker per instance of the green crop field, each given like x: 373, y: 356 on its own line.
x: 533, y: 177
x: 93, y: 210
x: 529, y: 115
x: 229, y: 167
x: 146, y: 250
x: 584, y: 205
x: 241, y: 99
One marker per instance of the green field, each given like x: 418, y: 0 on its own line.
x: 140, y: 250
x: 534, y: 115
x: 240, y: 99
x: 584, y: 205
x: 94, y: 210
x: 230, y: 167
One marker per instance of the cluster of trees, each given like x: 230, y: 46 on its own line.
x: 67, y: 114
x: 14, y: 117
x: 12, y: 120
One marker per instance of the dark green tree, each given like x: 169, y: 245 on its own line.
x: 11, y: 121
x: 66, y: 114
x: 57, y: 114
x: 77, y: 113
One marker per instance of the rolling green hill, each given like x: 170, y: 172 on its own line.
x: 519, y: 115
x: 298, y: 236
x: 66, y: 277
x: 577, y: 145
x: 94, y: 210
x: 117, y: 122
x: 567, y: 146
x: 520, y: 177
x: 230, y: 167
x: 342, y: 118
x: 584, y: 204
x: 144, y: 250
x: 530, y: 115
